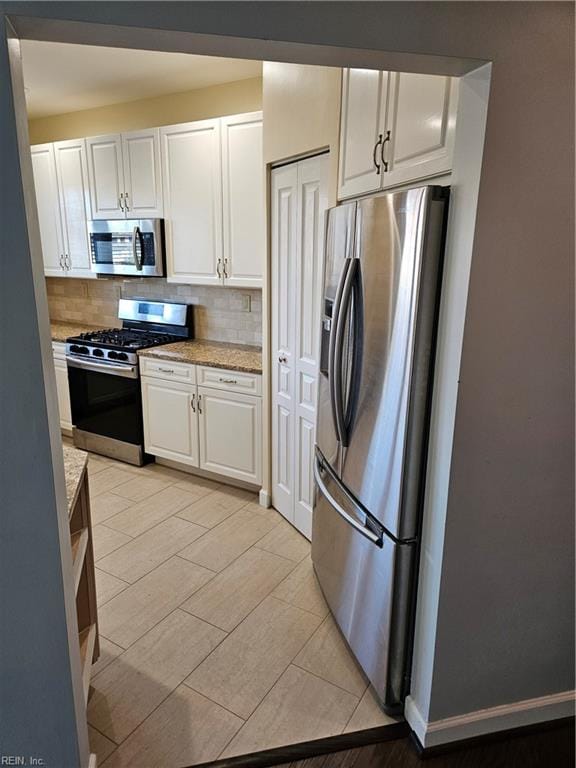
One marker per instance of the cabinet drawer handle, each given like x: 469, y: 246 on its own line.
x: 378, y: 143
x: 166, y: 370
x: 384, y: 162
x: 228, y: 381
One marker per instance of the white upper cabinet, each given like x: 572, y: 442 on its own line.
x: 142, y: 176
x: 125, y: 179
x: 47, y: 203
x: 362, y: 127
x: 74, y: 197
x: 243, y: 200
x: 192, y: 183
x: 396, y: 128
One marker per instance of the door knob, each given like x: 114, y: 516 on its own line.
x: 282, y: 359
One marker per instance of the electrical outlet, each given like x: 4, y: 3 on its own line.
x: 246, y: 302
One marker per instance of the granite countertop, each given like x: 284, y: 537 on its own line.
x: 215, y: 354
x: 61, y: 331
x: 75, y: 461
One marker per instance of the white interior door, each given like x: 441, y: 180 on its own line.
x: 243, y: 200
x: 364, y: 99
x: 106, y: 176
x: 284, y: 232
x: 73, y: 188
x: 299, y: 202
x: 422, y: 122
x: 142, y: 177
x: 48, y: 206
x: 192, y: 184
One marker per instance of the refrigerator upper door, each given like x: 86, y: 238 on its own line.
x: 385, y: 353
x: 340, y: 250
x: 367, y: 582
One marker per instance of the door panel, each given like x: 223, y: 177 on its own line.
x: 243, y: 197
x: 230, y: 434
x: 191, y: 180
x: 170, y: 423
x: 48, y: 207
x: 422, y: 120
x: 364, y: 94
x: 106, y: 176
x: 142, y: 177
x: 74, y: 191
x: 284, y: 228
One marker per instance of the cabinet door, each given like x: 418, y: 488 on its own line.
x: 106, y: 176
x: 243, y: 200
x: 72, y: 175
x: 230, y: 434
x: 363, y: 112
x: 284, y: 237
x: 142, y: 178
x: 46, y: 188
x: 192, y: 184
x: 170, y: 420
x: 422, y: 121
x: 63, y: 392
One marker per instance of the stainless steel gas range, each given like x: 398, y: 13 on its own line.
x: 104, y: 376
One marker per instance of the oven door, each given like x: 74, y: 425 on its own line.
x: 106, y: 400
x: 127, y: 247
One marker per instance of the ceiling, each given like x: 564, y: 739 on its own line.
x: 61, y: 77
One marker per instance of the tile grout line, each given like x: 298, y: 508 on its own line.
x: 330, y: 682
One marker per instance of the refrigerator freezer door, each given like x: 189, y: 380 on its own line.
x: 367, y: 587
x: 398, y: 243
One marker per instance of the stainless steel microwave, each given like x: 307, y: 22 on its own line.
x: 127, y: 247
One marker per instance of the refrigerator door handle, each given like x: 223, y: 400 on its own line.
x: 341, y: 318
x: 362, y: 529
x: 332, y: 355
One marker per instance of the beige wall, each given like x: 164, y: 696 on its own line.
x: 301, y: 107
x: 200, y: 104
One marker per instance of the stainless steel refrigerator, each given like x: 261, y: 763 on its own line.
x: 380, y: 304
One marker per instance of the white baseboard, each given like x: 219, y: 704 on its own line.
x: 504, y: 717
x: 92, y: 761
x: 265, y: 498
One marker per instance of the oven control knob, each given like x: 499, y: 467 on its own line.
x: 113, y: 355
x: 83, y: 350
x: 97, y: 353
x: 74, y: 348
x: 122, y: 356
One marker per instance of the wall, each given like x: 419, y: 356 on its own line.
x: 200, y: 104
x: 301, y: 106
x: 505, y: 606
x: 218, y: 313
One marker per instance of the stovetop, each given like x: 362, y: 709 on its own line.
x: 124, y: 338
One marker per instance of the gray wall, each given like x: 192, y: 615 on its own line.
x: 505, y: 606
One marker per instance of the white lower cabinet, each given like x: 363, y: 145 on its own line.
x: 62, y: 389
x: 215, y: 428
x: 230, y: 428
x: 170, y: 420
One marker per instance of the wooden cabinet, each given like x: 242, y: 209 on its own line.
x: 170, y: 420
x: 299, y: 200
x: 217, y: 428
x: 244, y: 227
x: 230, y: 427
x: 125, y: 178
x: 62, y: 199
x: 213, y: 180
x: 62, y: 388
x: 396, y: 128
x: 192, y: 181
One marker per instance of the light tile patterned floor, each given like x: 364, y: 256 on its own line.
x: 215, y: 637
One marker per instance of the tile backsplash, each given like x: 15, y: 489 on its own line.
x: 219, y: 313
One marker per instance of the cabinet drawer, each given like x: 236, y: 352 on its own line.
x: 233, y: 381
x: 166, y: 369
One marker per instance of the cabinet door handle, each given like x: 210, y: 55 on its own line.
x: 218, y: 266
x: 126, y: 206
x: 61, y: 261
x: 226, y: 268
x: 67, y: 261
x: 378, y: 143
x: 192, y: 403
x: 384, y: 162
x: 199, y: 403
x: 121, y: 201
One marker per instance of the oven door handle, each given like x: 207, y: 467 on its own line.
x: 126, y: 371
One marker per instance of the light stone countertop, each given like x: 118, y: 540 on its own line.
x: 61, y: 331
x: 215, y: 354
x: 75, y: 461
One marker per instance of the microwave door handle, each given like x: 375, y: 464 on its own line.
x: 136, y: 236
